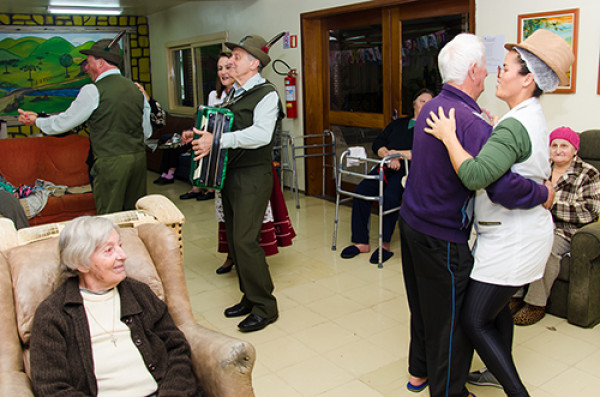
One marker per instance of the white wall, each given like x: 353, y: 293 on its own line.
x: 269, y: 17
x: 574, y: 110
x: 239, y: 18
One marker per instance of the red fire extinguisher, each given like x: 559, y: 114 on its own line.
x: 291, y: 101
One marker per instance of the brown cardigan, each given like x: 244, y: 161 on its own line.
x: 61, y: 352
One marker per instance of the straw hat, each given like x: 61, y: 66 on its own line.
x: 101, y: 49
x: 552, y: 49
x: 255, y: 45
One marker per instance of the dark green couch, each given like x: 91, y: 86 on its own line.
x: 576, y: 292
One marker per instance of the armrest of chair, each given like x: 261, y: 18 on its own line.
x: 222, y: 364
x: 584, y: 277
x: 8, y: 234
x: 15, y: 384
x: 161, y: 208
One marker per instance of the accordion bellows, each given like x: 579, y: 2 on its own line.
x: 209, y: 171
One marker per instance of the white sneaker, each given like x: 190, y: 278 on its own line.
x: 483, y: 377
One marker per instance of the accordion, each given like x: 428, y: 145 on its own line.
x: 209, y: 171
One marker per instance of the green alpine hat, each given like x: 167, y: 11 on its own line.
x: 100, y: 49
x: 255, y: 45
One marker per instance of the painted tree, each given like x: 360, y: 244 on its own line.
x: 8, y: 62
x: 30, y: 69
x: 66, y: 60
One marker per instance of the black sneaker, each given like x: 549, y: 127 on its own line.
x: 483, y: 377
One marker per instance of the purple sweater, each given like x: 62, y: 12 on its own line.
x: 435, y: 201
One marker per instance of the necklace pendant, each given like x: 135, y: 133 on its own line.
x: 113, y: 339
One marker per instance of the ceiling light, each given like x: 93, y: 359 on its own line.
x: 85, y: 10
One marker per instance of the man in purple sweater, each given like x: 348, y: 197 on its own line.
x: 435, y: 224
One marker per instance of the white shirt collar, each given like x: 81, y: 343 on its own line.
x: 108, y: 73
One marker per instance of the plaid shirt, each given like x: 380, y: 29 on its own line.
x: 577, y: 199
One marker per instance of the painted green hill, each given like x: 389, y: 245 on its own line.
x: 7, y: 55
x: 7, y: 43
x: 24, y: 48
x: 55, y: 46
x: 78, y: 57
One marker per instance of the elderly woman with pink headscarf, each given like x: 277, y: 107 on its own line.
x: 576, y: 204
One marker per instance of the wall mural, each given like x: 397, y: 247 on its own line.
x: 42, y: 71
x: 51, y: 74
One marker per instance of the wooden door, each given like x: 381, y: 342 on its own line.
x: 353, y: 69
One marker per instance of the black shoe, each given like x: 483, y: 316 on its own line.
x: 189, y: 195
x: 385, y: 255
x: 254, y: 322
x: 237, y: 310
x: 164, y: 181
x: 225, y: 268
x: 206, y: 196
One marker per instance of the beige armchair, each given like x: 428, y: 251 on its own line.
x: 29, y: 272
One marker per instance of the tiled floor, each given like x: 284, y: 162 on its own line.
x: 343, y: 326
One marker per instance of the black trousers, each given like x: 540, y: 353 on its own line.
x: 488, y: 322
x: 361, y: 209
x: 436, y: 275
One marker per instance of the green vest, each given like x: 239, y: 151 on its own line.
x: 243, y: 117
x: 116, y: 125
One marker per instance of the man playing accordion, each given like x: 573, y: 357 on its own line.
x: 248, y: 183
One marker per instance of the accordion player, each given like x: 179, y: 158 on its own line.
x: 209, y: 171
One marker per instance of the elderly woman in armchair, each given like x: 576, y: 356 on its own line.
x: 101, y: 333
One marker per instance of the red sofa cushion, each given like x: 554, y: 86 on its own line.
x: 57, y: 160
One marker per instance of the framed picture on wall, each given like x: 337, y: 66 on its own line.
x: 41, y: 68
x: 565, y: 23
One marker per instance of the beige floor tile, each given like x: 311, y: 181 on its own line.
x: 326, y: 336
x: 299, y: 318
x: 369, y: 295
x: 537, y: 369
x: 360, y: 357
x: 307, y: 293
x: 352, y: 389
x: 259, y: 370
x: 389, y: 380
x: 573, y: 383
x: 561, y: 347
x: 272, y: 385
x: 589, y: 335
x: 344, y: 324
x: 591, y: 364
x: 395, y: 340
x: 366, y: 322
x: 335, y: 306
x: 315, y: 376
x: 284, y: 352
x: 396, y: 308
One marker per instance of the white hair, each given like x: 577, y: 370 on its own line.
x: 455, y: 59
x: 80, y: 238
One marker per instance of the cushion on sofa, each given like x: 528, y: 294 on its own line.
x: 57, y: 160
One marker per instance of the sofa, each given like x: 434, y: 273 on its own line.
x: 53, y: 159
x: 29, y: 272
x: 174, y: 124
x: 575, y: 294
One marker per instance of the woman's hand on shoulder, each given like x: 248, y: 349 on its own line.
x: 440, y: 126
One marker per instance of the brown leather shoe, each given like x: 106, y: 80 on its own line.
x: 529, y: 314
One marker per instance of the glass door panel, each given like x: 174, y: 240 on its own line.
x: 355, y: 69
